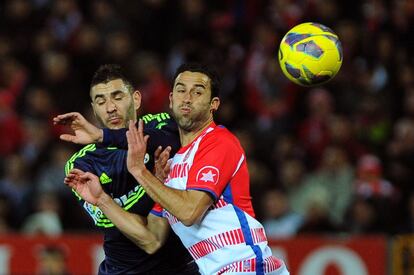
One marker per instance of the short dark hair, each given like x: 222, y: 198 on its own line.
x: 109, y: 72
x: 204, y: 69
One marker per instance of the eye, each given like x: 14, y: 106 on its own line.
x: 198, y: 91
x: 100, y: 102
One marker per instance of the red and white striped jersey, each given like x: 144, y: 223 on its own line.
x: 228, y: 239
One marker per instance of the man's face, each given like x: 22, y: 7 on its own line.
x: 191, y: 100
x: 114, y: 105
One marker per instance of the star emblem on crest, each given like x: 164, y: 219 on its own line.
x: 209, y: 176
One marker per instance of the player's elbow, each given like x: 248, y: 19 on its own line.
x: 187, y: 222
x: 152, y: 248
x: 190, y: 218
x: 149, y: 245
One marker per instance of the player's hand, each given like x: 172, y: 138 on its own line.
x: 86, y: 184
x: 162, y: 162
x: 137, y: 147
x: 84, y: 131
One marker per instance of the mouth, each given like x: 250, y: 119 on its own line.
x: 114, y: 120
x: 185, y: 110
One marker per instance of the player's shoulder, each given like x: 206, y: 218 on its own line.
x: 92, y: 152
x: 159, y: 121
x: 84, y: 151
x: 221, y: 136
x: 220, y: 131
x: 81, y: 157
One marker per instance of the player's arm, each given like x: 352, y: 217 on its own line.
x: 164, y: 134
x: 188, y: 206
x: 148, y: 236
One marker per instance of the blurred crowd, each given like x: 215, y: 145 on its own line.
x: 333, y: 159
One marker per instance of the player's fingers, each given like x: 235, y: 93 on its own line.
x: 76, y: 171
x: 165, y: 155
x: 133, y: 132
x: 167, y: 167
x: 140, y: 130
x: 67, y: 116
x: 157, y: 153
x: 88, y: 176
x: 74, y: 175
x: 62, y: 121
x: 70, y: 178
x: 163, y: 160
x: 146, y: 137
x: 68, y: 138
x: 71, y: 182
x: 166, y: 152
x: 129, y: 138
x: 70, y: 114
x: 141, y: 126
x: 56, y: 120
x: 70, y: 174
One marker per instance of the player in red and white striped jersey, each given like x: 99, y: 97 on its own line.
x: 227, y: 239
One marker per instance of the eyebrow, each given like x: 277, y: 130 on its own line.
x: 196, y: 85
x: 114, y: 93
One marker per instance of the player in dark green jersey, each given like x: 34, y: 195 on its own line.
x: 115, y: 103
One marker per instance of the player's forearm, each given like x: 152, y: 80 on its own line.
x: 131, y: 225
x: 177, y: 202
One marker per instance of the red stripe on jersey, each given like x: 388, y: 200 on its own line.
x: 216, y: 242
x: 270, y: 264
x: 258, y: 235
x: 232, y: 237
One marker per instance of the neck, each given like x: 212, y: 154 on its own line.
x: 186, y: 137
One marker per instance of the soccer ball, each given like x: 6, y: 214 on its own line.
x: 310, y: 54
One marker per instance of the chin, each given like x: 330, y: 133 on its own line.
x: 116, y: 126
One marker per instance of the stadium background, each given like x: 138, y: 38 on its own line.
x: 334, y: 161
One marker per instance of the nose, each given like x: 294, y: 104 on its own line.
x: 110, y: 106
x: 187, y: 96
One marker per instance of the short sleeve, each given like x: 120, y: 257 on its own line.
x: 215, y: 162
x: 80, y: 161
x: 157, y: 210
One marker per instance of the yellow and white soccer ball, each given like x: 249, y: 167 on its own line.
x: 310, y: 54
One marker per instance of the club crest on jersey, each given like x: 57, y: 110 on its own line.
x: 146, y: 158
x: 208, y: 174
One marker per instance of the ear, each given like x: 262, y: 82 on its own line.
x: 170, y: 97
x: 136, y: 96
x: 214, y: 104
